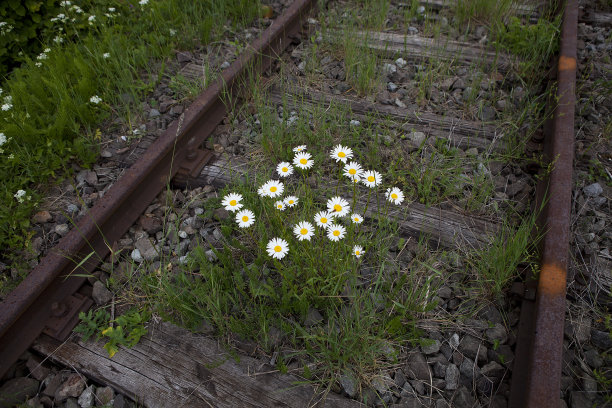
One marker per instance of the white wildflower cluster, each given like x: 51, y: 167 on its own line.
x: 111, y: 12
x: 60, y: 17
x: 5, y: 28
x: 21, y: 196
x: 143, y: 2
x: 91, y: 19
x: 330, y: 220
x: 3, y: 141
x: 106, y: 55
x: 172, y: 32
x: 8, y: 103
x: 95, y: 99
x: 58, y: 39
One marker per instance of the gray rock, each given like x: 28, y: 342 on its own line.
x: 417, y: 138
x: 497, y: 333
x: 593, y: 190
x: 225, y: 65
x: 493, y: 370
x: 105, y: 395
x: 184, y: 56
x: 389, y: 69
x: 399, y: 103
x: 417, y: 368
x: 391, y: 87
x: 72, y: 208
x: 593, y: 359
x: 62, y: 229
x: 101, y: 296
x: 72, y: 387
x: 579, y: 399
x: 17, y: 390
x: 439, y: 369
x: 454, y: 341
x: 136, y: 256
x: 486, y: 114
x: 86, y: 177
x: 469, y: 369
x: 86, y: 399
x: 399, y: 379
x: 106, y: 154
x: 407, y: 390
x: 447, y: 84
x: 413, y: 30
x: 119, y: 401
x: 464, y: 399
x: 503, y: 354
x: 221, y: 214
x: 71, y: 403
x: 452, y: 377
x: 501, y: 104
x: 418, y: 386
x: 400, y: 62
x: 473, y: 348
x: 153, y: 113
x: 458, y: 84
x: 431, y: 347
x: 349, y: 385
x: 210, y: 255
x: 601, y: 339
x: 147, y: 250
x: 313, y: 317
x: 302, y: 66
x: 42, y: 217
x: 382, y: 383
x: 485, y: 386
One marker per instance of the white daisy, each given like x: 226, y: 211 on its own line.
x: 353, y: 170
x: 245, y: 218
x: 337, y: 206
x: 277, y: 248
x: 279, y: 205
x: 336, y: 232
x: 284, y: 169
x: 303, y: 160
x: 356, y: 218
x: 303, y: 231
x: 231, y: 202
x: 299, y: 149
x: 272, y: 188
x: 358, y: 251
x: 371, y: 178
x: 323, y: 219
x: 341, y: 153
x: 291, y: 201
x: 395, y: 195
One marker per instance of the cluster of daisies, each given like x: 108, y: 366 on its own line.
x: 328, y: 220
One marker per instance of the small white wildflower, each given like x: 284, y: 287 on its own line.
x: 78, y: 9
x: 47, y: 50
x: 95, y: 99
x: 11, y: 156
x: 280, y: 205
x: 60, y: 16
x: 58, y: 39
x: 111, y: 9
x: 372, y: 178
x: 245, y: 218
x: 3, y: 139
x: 91, y: 19
x: 291, y: 201
x: 172, y: 32
x: 336, y: 232
x: 303, y: 161
x: 6, y: 106
x: 106, y: 55
x: 358, y: 251
x: 19, y: 195
x: 38, y: 64
x: 284, y: 169
x: 356, y: 218
x: 65, y: 3
x: 299, y: 148
x: 341, y: 153
x: 231, y: 202
x: 272, y: 188
x: 143, y: 2
x: 395, y: 195
x: 41, y: 56
x: 303, y: 231
x: 277, y: 248
x: 337, y: 206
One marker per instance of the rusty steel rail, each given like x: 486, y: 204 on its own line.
x: 50, y: 291
x: 537, y: 378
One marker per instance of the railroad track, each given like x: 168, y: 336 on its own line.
x: 44, y: 309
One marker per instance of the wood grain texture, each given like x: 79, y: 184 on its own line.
x: 460, y: 133
x: 441, y: 227
x: 172, y: 367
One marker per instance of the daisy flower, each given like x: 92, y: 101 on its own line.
x: 299, y: 149
x: 231, y: 202
x: 358, y: 251
x: 272, y: 188
x: 303, y: 160
x: 372, y: 178
x: 353, y: 170
x: 245, y: 218
x: 336, y: 232
x: 395, y: 195
x: 323, y: 219
x: 277, y: 248
x: 279, y: 205
x: 291, y: 201
x: 341, y: 153
x: 303, y: 231
x: 337, y: 206
x: 284, y: 169
x: 356, y: 218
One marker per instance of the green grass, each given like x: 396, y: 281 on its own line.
x: 49, y: 120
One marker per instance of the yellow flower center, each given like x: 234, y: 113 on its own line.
x: 290, y: 201
x: 233, y: 203
x: 337, y: 208
x: 356, y: 219
x: 303, y: 161
x: 278, y: 248
x: 285, y: 169
x: 352, y: 172
x: 245, y: 218
x: 336, y: 233
x: 303, y: 231
x: 357, y: 252
x: 323, y: 220
x: 280, y: 206
x: 371, y: 179
x: 341, y: 154
x: 394, y: 196
x: 273, y: 189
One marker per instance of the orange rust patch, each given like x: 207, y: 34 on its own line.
x: 552, y: 280
x: 567, y: 63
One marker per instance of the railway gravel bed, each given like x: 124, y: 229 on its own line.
x: 460, y: 120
